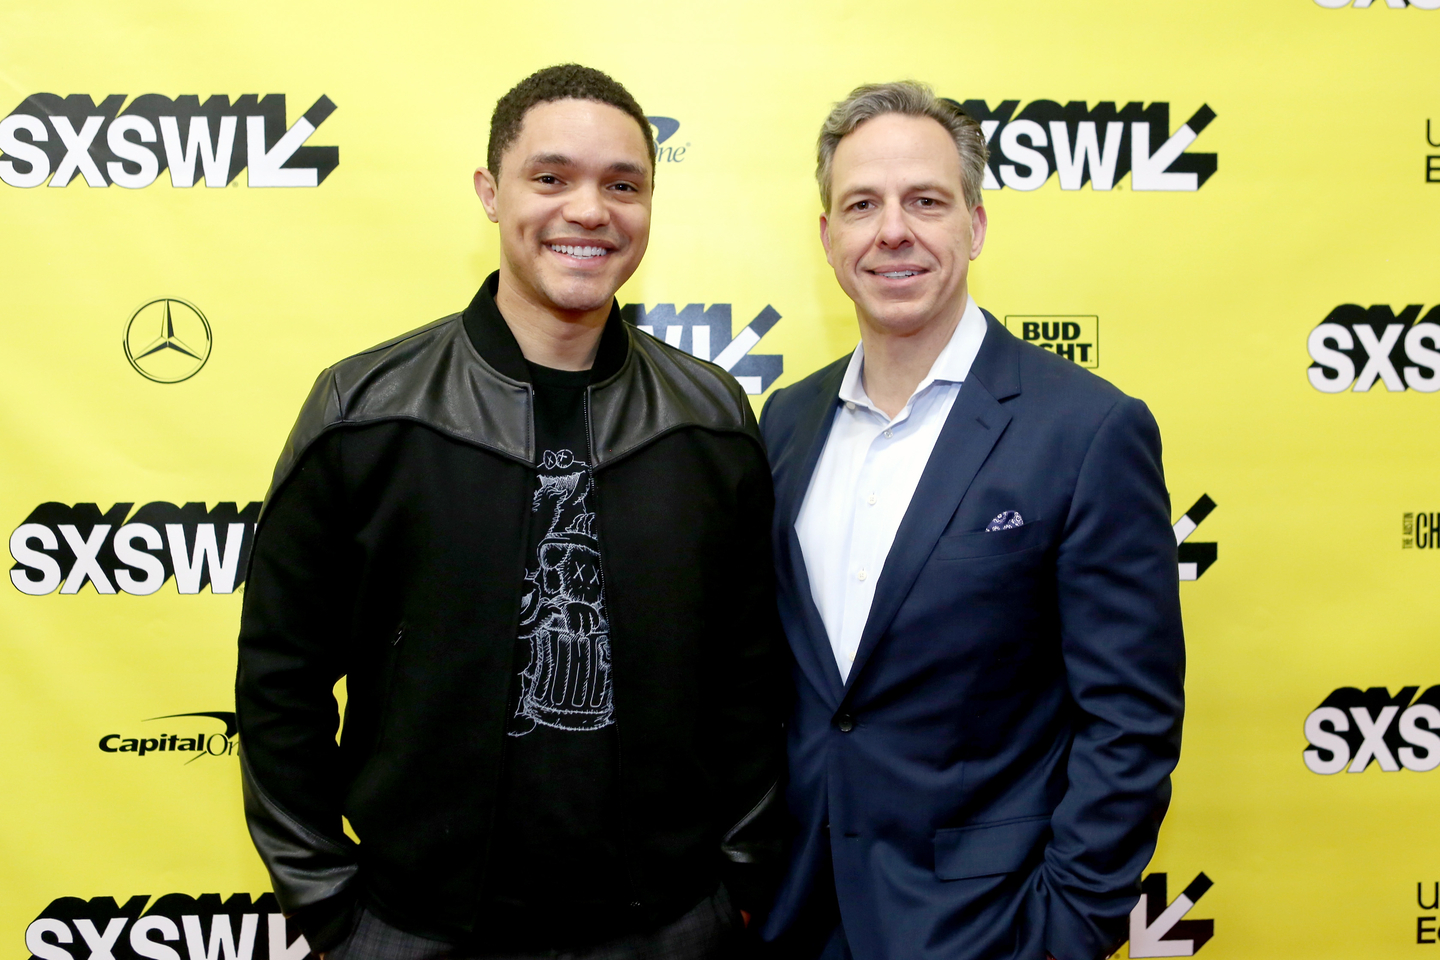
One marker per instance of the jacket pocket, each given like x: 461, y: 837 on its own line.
x: 389, y: 657
x: 988, y: 848
x: 967, y: 546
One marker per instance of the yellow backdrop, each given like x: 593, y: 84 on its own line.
x: 1260, y: 271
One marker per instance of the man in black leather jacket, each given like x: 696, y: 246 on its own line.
x: 534, y: 540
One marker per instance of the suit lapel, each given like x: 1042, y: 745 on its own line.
x: 975, y: 424
x: 812, y: 651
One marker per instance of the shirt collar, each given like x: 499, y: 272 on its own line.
x: 951, y: 366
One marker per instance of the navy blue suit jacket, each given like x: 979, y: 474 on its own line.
x: 995, y: 770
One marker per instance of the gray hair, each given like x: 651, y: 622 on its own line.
x: 913, y: 99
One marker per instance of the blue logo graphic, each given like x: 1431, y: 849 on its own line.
x: 665, y: 128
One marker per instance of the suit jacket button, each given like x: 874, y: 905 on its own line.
x: 845, y: 722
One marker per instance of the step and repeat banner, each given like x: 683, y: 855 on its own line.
x: 1230, y: 210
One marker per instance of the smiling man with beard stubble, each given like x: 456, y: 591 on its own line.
x: 978, y: 580
x: 534, y: 540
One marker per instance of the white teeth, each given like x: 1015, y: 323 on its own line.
x: 581, y: 252
x: 900, y: 274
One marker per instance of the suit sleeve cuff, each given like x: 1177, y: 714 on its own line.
x: 1069, y: 936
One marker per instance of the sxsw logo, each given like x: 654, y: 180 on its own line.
x: 62, y: 138
x: 69, y: 546
x: 1075, y: 338
x: 176, y: 925
x: 1394, y: 4
x: 1194, y: 558
x: 1351, y: 729
x: 1098, y: 145
x: 1355, y: 348
x: 1158, y: 927
x: 704, y: 332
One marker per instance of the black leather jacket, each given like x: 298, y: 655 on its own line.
x: 391, y: 551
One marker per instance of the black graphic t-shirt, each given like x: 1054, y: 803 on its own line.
x: 556, y: 872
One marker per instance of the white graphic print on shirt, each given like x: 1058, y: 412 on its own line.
x: 566, y: 684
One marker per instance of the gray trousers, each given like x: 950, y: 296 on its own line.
x: 707, y: 932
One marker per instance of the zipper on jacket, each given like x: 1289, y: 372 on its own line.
x: 487, y: 847
x: 624, y: 825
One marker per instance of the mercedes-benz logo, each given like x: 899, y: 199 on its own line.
x: 167, y: 340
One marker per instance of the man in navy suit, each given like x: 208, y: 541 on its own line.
x: 978, y: 580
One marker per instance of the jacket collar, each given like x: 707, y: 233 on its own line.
x: 997, y: 364
x: 493, y: 340
x: 447, y: 375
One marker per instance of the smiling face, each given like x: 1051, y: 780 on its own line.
x: 573, y: 204
x: 898, y: 233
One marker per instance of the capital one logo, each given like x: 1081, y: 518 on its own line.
x: 704, y: 332
x: 1355, y: 348
x: 1353, y: 729
x: 1098, y: 145
x: 66, y: 547
x: 665, y: 128
x: 65, y: 138
x: 204, y: 743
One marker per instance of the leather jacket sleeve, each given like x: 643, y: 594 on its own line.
x: 757, y: 700
x: 296, y: 611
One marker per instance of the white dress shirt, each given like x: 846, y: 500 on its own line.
x: 864, y: 480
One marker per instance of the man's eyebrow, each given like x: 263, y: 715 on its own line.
x: 861, y: 189
x: 625, y: 166
x: 561, y: 160
x: 935, y: 187
x: 549, y: 160
x: 858, y: 188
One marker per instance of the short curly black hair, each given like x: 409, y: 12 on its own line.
x: 567, y: 81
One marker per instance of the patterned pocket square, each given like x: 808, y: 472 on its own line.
x: 1008, y: 520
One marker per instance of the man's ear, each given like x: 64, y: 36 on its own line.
x: 486, y: 188
x: 979, y: 222
x: 825, y: 237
